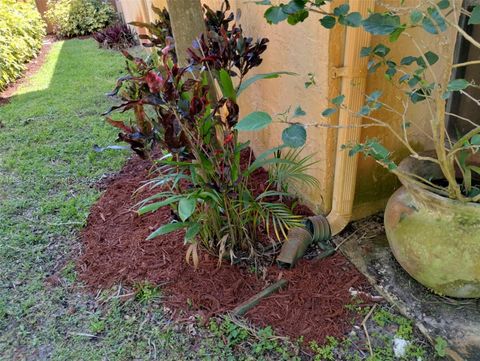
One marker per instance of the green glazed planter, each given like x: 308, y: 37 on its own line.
x: 434, y: 238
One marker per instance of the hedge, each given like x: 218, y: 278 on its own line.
x: 21, y: 34
x: 79, y: 17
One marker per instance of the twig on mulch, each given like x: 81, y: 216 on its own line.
x: 243, y: 308
x: 364, y: 325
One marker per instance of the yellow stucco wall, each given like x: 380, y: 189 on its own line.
x: 375, y: 184
x: 309, y: 48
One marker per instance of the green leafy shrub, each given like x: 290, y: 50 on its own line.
x: 416, y: 79
x: 79, y: 17
x: 201, y: 175
x: 21, y: 34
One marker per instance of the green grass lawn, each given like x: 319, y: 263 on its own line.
x: 48, y: 171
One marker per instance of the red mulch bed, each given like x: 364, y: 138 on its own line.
x: 115, y: 251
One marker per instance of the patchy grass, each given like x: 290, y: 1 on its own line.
x: 384, y: 326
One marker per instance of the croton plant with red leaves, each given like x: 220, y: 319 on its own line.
x: 177, y: 109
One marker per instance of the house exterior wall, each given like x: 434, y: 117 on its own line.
x: 309, y: 48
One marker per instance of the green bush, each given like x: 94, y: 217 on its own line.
x: 21, y: 34
x: 79, y: 17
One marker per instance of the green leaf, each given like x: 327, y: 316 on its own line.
x: 353, y: 19
x: 328, y: 22
x: 167, y: 228
x: 253, y: 79
x: 341, y: 10
x: 269, y: 152
x: 275, y: 14
x: 475, y: 16
x: 186, y: 207
x: 297, y: 17
x: 446, y: 95
x: 408, y: 60
x: 413, y: 81
x: 381, y: 24
x: 378, y: 150
x: 418, y: 95
x: 374, y: 96
x: 338, y: 100
x: 390, y: 73
x: 156, y: 205
x: 357, y: 148
x: 299, y: 112
x: 396, y: 34
x: 431, y: 57
x: 404, y: 78
x: 429, y: 26
x: 457, y: 84
x: 365, y: 110
x: 294, y: 6
x: 254, y: 121
x: 416, y: 16
x: 475, y: 140
x: 365, y: 52
x: 192, y: 232
x: 381, y: 50
x: 329, y: 111
x: 438, y: 18
x: 226, y: 85
x: 294, y: 136
x: 372, y: 66
x: 443, y: 4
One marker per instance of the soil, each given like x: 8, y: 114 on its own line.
x: 115, y: 250
x: 32, y: 67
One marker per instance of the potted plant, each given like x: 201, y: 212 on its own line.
x: 433, y: 221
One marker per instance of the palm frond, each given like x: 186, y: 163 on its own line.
x: 293, y: 170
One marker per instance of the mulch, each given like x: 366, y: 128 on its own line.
x: 115, y: 251
x: 32, y: 67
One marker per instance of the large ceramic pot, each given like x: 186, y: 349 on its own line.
x: 434, y: 238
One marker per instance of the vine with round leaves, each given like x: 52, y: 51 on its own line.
x: 415, y: 79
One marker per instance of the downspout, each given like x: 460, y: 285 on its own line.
x: 354, y: 80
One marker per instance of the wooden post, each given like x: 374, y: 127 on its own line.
x: 186, y: 17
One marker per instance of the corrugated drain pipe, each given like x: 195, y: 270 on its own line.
x: 354, y: 78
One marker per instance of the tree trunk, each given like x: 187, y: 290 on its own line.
x: 186, y: 17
